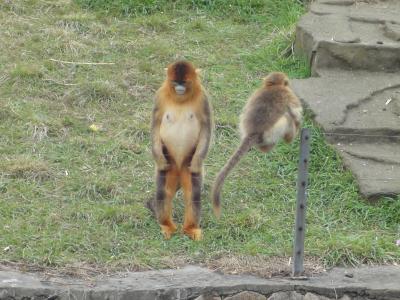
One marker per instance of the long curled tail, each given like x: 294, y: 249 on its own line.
x: 244, y: 147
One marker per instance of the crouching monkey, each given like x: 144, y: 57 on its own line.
x: 181, y: 132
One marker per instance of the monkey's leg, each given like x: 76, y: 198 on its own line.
x: 167, y: 183
x: 290, y: 132
x: 191, y: 184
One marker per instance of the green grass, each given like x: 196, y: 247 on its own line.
x: 70, y: 195
x: 242, y: 11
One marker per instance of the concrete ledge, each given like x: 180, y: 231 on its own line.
x: 193, y: 282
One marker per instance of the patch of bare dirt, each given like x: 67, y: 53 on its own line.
x: 266, y: 267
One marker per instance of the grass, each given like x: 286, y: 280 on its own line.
x: 72, y: 195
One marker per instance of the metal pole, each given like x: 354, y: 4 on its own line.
x: 302, y: 182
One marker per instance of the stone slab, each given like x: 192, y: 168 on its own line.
x: 386, y: 153
x: 376, y: 179
x: 354, y: 52
x: 359, y: 112
x: 367, y: 102
x: 192, y: 282
x: 351, y: 35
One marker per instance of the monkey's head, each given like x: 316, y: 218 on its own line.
x: 276, y: 78
x: 182, y: 77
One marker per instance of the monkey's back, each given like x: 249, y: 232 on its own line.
x: 264, y: 108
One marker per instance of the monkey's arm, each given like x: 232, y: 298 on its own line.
x: 296, y: 113
x: 156, y: 146
x: 204, y: 138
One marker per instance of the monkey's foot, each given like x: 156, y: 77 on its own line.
x: 288, y: 138
x: 266, y: 148
x: 168, y: 230
x: 193, y: 232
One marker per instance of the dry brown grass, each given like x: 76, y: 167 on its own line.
x: 25, y: 167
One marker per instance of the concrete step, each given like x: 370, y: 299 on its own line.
x: 351, y: 35
x: 358, y: 101
x: 359, y: 112
x: 386, y: 153
x: 375, y: 165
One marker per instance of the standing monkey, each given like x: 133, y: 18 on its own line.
x: 271, y: 113
x: 181, y: 132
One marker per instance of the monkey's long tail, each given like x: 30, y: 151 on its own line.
x: 244, y: 147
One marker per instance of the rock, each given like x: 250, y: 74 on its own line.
x: 4, y: 294
x: 286, y: 296
x: 392, y: 31
x: 311, y: 296
x: 247, y: 296
x: 349, y: 275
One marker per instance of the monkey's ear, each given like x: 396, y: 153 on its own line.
x: 199, y: 71
x: 166, y: 70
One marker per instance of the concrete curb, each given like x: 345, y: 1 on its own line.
x: 192, y: 282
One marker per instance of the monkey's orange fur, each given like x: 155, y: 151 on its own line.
x: 181, y: 131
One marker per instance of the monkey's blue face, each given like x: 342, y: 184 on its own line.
x: 180, y: 87
x: 181, y: 76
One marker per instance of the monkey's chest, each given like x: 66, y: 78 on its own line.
x: 180, y: 133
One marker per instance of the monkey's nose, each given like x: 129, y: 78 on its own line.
x: 180, y: 89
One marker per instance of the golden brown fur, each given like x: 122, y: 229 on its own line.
x: 181, y: 132
x: 271, y: 113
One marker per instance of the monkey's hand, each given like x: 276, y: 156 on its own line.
x: 158, y: 155
x: 196, y: 165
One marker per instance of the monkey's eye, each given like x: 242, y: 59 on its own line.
x: 286, y: 82
x: 175, y: 82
